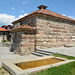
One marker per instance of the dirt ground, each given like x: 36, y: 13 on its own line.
x: 4, y: 72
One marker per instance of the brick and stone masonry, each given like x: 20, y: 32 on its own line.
x: 46, y: 29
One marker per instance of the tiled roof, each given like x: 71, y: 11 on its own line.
x: 4, y: 26
x: 23, y: 27
x: 10, y: 26
x: 46, y: 12
x: 2, y: 29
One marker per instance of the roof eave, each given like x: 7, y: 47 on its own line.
x: 38, y: 13
x: 23, y: 18
x: 22, y: 29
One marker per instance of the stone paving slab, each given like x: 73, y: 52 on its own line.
x: 70, y: 51
x: 5, y: 54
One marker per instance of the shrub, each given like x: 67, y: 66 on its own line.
x: 4, y: 40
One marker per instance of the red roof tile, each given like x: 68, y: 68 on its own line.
x: 2, y: 29
x: 23, y: 27
x: 46, y: 12
x: 5, y: 25
x: 10, y: 26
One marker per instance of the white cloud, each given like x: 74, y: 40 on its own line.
x: 25, y: 2
x: 7, y: 19
x: 12, y: 8
x: 72, y: 17
x: 69, y: 16
x: 20, y: 16
x: 63, y: 14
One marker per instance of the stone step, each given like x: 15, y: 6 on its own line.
x: 43, y: 53
x: 37, y: 54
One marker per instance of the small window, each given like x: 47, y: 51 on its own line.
x: 15, y: 35
x: 1, y: 33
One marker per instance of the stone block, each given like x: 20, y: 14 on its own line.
x: 69, y: 45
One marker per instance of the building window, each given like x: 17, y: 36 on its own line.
x: 1, y: 33
x: 15, y: 35
x: 8, y: 28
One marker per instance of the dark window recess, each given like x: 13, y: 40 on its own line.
x: 31, y: 24
x: 20, y: 23
x: 15, y: 35
x: 3, y: 33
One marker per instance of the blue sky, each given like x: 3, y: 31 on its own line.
x: 14, y: 9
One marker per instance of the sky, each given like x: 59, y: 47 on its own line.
x: 10, y: 10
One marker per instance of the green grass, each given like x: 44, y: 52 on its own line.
x: 66, y: 69
x: 1, y: 68
x: 64, y: 56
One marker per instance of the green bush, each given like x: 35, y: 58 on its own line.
x: 4, y: 40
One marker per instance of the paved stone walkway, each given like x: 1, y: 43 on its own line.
x: 5, y: 54
x: 70, y: 51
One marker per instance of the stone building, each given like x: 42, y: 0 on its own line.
x: 3, y: 34
x: 42, y: 29
x: 8, y: 28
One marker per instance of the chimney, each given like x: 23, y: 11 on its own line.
x: 42, y: 7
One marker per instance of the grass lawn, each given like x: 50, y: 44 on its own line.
x: 64, y: 56
x: 66, y: 69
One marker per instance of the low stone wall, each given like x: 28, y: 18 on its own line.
x: 5, y: 44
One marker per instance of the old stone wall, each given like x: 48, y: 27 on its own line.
x: 29, y: 20
x: 15, y: 42
x: 3, y: 37
x: 50, y: 32
x: 23, y: 42
x: 53, y: 32
x: 5, y: 44
x: 28, y: 43
x: 16, y: 24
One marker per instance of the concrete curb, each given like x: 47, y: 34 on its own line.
x: 14, y: 70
